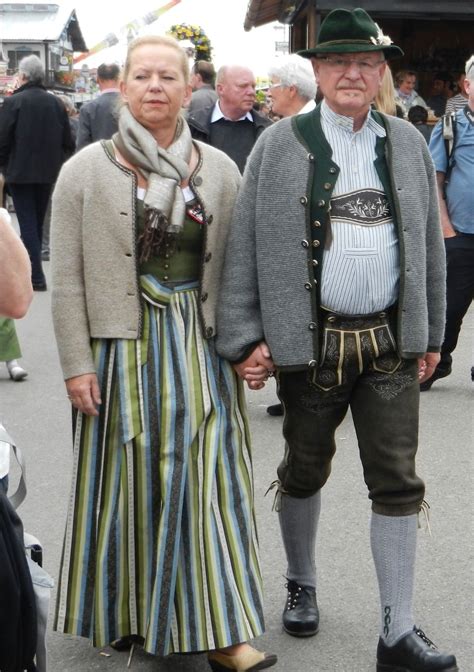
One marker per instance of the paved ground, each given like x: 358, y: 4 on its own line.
x: 36, y: 412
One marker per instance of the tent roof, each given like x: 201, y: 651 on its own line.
x: 39, y: 22
x: 260, y: 12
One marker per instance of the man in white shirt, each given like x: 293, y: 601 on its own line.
x: 231, y: 125
x: 334, y: 275
x: 292, y: 87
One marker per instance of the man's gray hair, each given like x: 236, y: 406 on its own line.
x: 294, y: 70
x: 32, y: 69
x: 470, y: 69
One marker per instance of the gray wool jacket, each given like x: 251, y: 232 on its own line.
x: 95, y: 288
x: 268, y: 267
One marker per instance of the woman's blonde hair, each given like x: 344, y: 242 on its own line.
x: 385, y: 98
x: 157, y: 40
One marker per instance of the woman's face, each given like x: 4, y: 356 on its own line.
x: 155, y: 89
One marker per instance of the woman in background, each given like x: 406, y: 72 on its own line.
x: 385, y: 98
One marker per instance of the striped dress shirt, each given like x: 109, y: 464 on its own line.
x: 361, y: 267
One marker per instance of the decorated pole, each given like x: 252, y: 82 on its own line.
x: 130, y: 28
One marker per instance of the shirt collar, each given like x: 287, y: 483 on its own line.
x: 307, y: 107
x: 111, y: 90
x: 218, y: 114
x: 347, y: 123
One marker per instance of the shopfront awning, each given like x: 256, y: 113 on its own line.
x: 260, y: 12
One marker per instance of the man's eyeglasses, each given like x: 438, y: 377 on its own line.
x: 339, y: 64
x: 275, y: 86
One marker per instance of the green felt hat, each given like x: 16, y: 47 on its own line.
x: 346, y: 31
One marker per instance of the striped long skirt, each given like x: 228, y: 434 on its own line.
x: 160, y: 536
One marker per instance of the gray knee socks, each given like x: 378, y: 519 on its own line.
x: 299, y: 523
x: 393, y: 542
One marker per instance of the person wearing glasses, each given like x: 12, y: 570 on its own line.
x: 336, y: 249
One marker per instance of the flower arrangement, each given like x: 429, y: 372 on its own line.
x: 196, y: 35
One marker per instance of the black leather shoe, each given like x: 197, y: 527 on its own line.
x: 275, y: 409
x: 301, y: 614
x: 40, y: 286
x: 414, y: 653
x: 438, y: 373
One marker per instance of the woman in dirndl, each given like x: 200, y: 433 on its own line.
x: 160, y: 545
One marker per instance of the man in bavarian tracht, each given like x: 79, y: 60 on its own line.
x: 336, y: 263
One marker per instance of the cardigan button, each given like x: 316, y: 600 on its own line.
x: 315, y: 262
x: 327, y: 186
x: 166, y: 277
x: 311, y: 158
x: 209, y: 332
x: 308, y: 286
x: 317, y: 223
x: 332, y: 170
x: 305, y: 244
x: 312, y: 363
x: 321, y: 203
x: 198, y: 181
x: 316, y: 243
x: 304, y: 200
x: 312, y: 326
x: 204, y: 297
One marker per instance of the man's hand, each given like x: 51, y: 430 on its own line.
x: 427, y: 365
x: 258, y: 366
x: 84, y: 394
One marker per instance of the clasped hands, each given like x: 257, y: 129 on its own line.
x: 257, y: 368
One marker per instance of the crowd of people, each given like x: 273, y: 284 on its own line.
x: 198, y: 244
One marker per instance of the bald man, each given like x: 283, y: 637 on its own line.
x: 231, y: 124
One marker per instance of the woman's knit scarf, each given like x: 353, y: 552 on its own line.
x: 164, y: 170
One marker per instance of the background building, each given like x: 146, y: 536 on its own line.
x: 436, y: 35
x: 50, y: 31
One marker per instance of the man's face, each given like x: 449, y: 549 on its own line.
x: 349, y: 82
x: 279, y: 96
x: 408, y: 84
x: 194, y: 81
x: 236, y: 91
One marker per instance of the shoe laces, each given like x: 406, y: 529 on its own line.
x: 294, y: 592
x: 426, y: 639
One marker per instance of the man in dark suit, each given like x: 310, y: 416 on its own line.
x: 35, y: 139
x: 98, y: 117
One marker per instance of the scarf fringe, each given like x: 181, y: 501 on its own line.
x: 155, y: 236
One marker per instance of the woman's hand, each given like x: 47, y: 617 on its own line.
x: 427, y: 365
x: 258, y: 366
x: 84, y: 393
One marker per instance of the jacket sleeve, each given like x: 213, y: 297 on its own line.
x: 435, y: 263
x: 239, y: 320
x: 69, y: 308
x: 68, y: 142
x: 84, y: 134
x: 7, y: 130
